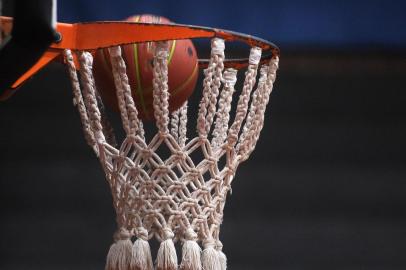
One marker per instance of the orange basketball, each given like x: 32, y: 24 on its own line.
x: 182, y: 71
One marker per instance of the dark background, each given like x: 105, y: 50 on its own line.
x: 324, y: 189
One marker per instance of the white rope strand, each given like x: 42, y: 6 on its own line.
x: 224, y: 108
x: 175, y: 125
x: 242, y: 106
x: 249, y: 141
x: 89, y: 94
x: 218, y: 59
x: 78, y: 99
x: 160, y: 87
x: 126, y: 102
x: 211, y: 85
x: 252, y: 120
x: 183, y: 125
x: 271, y: 77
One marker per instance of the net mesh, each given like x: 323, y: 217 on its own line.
x: 173, y: 198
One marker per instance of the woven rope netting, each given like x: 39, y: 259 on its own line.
x: 173, y: 199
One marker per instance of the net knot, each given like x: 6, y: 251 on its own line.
x: 115, y: 51
x: 190, y: 235
x: 161, y: 50
x: 255, y: 56
x: 146, y: 153
x: 134, y: 170
x: 167, y: 233
x: 209, y: 243
x: 230, y: 76
x: 99, y: 136
x: 122, y: 234
x: 219, y: 245
x: 86, y: 58
x: 274, y: 65
x: 217, y: 46
x: 264, y: 72
x: 179, y: 155
x: 142, y: 233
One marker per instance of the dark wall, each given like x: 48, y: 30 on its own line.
x: 310, y: 23
x: 334, y: 23
x: 325, y: 188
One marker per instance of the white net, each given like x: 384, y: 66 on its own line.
x: 174, y: 199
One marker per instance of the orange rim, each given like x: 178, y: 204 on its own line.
x: 97, y: 35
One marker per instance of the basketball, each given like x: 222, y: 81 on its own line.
x: 182, y: 71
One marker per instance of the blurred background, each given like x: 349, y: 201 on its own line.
x: 324, y: 189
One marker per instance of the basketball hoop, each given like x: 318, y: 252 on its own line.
x: 175, y: 199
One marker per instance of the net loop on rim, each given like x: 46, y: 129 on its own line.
x: 174, y: 198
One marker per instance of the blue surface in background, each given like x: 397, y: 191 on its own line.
x: 333, y: 23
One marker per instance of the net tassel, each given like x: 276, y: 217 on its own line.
x: 141, y: 258
x: 166, y: 258
x: 222, y: 260
x: 191, y: 252
x: 210, y: 256
x: 222, y: 256
x: 119, y: 255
